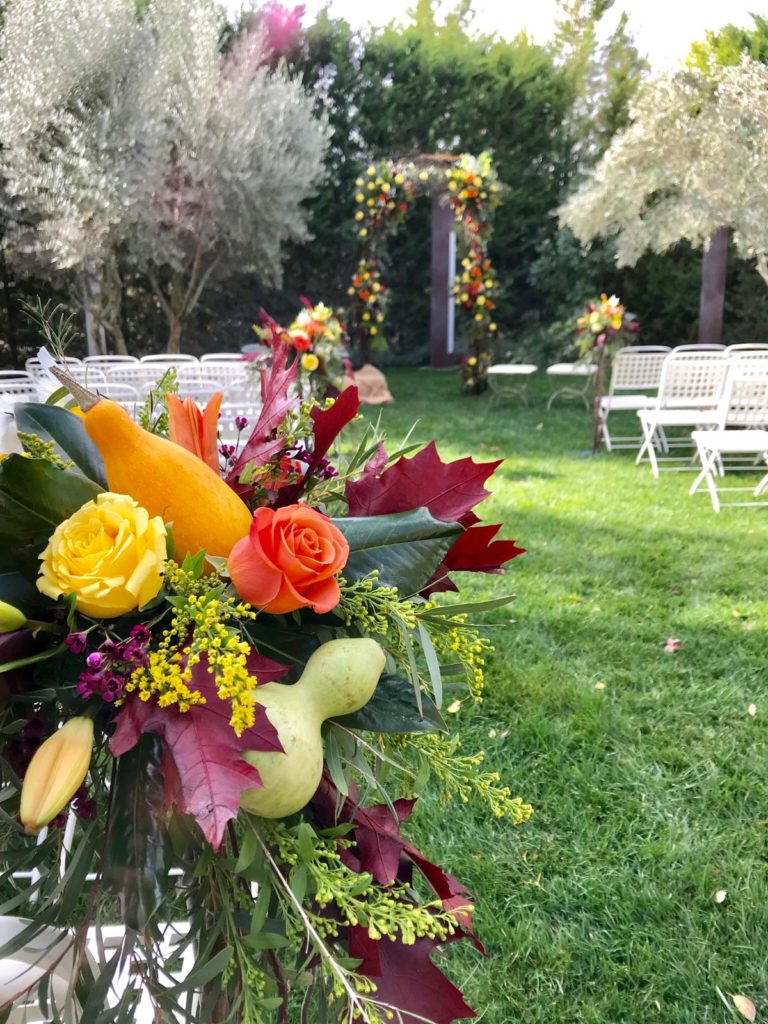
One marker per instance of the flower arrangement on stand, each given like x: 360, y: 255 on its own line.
x: 228, y: 686
x: 320, y: 341
x: 367, y: 308
x: 601, y: 330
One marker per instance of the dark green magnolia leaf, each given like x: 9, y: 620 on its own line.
x: 34, y: 498
x: 52, y: 423
x: 393, y: 708
x: 137, y: 852
x: 406, y: 547
x: 21, y: 593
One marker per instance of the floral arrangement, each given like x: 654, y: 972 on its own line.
x: 368, y: 303
x: 319, y: 338
x: 382, y: 198
x: 474, y: 373
x: 475, y: 191
x: 229, y: 686
x: 604, y: 325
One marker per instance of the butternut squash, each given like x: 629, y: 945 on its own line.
x: 339, y: 678
x: 168, y: 481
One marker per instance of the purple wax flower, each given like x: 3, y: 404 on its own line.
x: 76, y: 642
x: 241, y: 422
x: 94, y: 660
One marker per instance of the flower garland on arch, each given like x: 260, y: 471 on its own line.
x: 384, y: 194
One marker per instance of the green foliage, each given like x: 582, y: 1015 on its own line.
x: 730, y: 44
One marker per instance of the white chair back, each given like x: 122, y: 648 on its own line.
x: 745, y: 402
x: 752, y: 346
x: 34, y: 366
x: 222, y: 357
x: 106, y: 361
x: 88, y: 376
x: 638, y: 367
x: 749, y: 362
x: 19, y: 390
x: 15, y: 375
x: 700, y: 347
x: 166, y: 359
x: 692, y: 380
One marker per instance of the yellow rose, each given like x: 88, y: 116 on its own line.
x: 359, y: 197
x: 399, y: 179
x: 110, y: 554
x: 309, y: 362
x: 359, y: 215
x: 424, y: 176
x: 359, y: 182
x: 373, y: 330
x: 366, y: 316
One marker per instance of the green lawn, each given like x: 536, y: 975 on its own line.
x: 647, y: 773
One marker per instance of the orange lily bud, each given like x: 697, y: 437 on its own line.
x: 11, y: 618
x: 55, y: 773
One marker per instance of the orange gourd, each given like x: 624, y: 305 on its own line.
x: 168, y: 481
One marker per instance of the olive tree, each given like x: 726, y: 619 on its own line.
x: 137, y: 141
x: 692, y: 165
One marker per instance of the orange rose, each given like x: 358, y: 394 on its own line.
x: 289, y: 560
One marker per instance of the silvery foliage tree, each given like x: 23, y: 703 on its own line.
x: 693, y: 160
x: 136, y: 142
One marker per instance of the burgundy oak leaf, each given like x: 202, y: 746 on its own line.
x: 204, y: 769
x: 277, y: 399
x: 327, y: 425
x: 448, y: 489
x: 407, y: 980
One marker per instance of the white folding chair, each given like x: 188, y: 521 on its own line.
x: 704, y: 346
x: 34, y: 367
x: 105, y: 362
x: 234, y: 377
x: 230, y: 412
x: 222, y: 357
x: 165, y: 359
x: 752, y: 362
x: 750, y: 346
x: 690, y: 394
x: 19, y: 390
x: 124, y: 394
x: 636, y: 371
x: 741, y: 434
x: 87, y: 375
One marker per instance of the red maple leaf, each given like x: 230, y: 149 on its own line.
x: 204, y: 770
x: 407, y: 980
x: 475, y: 550
x: 277, y: 400
x: 448, y: 489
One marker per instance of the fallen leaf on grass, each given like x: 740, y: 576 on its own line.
x: 491, y: 734
x: 752, y: 710
x: 599, y: 686
x: 454, y: 708
x: 720, y: 896
x: 673, y: 644
x: 745, y: 1007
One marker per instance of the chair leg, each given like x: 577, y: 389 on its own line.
x: 707, y: 460
x: 604, y: 429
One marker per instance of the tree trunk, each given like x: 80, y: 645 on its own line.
x: 176, y: 312
x: 441, y: 286
x: 712, y: 301
x: 9, y: 311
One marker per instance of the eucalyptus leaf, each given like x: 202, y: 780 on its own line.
x: 52, y: 423
x: 136, y: 855
x: 393, y: 708
x: 406, y: 548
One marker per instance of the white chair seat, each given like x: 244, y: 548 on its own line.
x: 512, y: 369
x: 680, y: 417
x: 712, y: 445
x: 571, y: 370
x: 626, y: 403
x: 736, y: 442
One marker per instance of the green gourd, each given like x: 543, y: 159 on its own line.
x: 339, y: 678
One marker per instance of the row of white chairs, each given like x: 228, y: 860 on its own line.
x: 718, y: 397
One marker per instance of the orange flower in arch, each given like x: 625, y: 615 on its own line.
x: 194, y: 430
